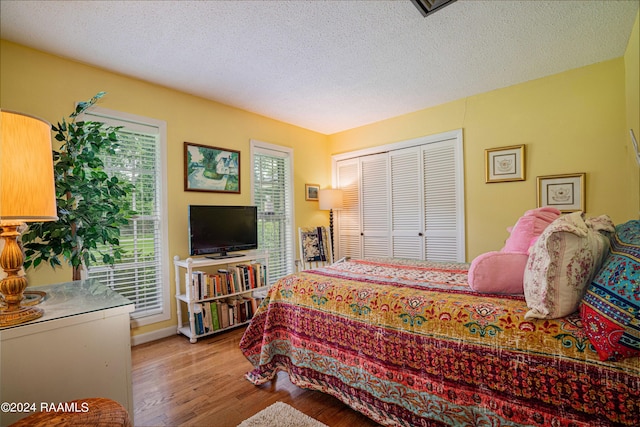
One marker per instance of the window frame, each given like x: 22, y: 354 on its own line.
x: 257, y: 147
x: 145, y: 124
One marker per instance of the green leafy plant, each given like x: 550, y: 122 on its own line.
x: 93, y: 204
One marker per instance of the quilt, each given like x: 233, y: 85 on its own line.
x: 409, y: 343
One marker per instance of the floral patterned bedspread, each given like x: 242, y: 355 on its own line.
x: 409, y: 343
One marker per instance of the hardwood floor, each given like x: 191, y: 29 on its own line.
x: 176, y: 383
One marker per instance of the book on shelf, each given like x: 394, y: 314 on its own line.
x: 211, y: 316
x: 254, y: 275
x: 226, y: 281
x: 207, y: 321
x: 190, y: 286
x: 199, y: 285
x: 237, y: 279
x: 246, y: 273
x: 197, y: 319
x: 215, y: 318
x: 233, y: 311
x: 255, y: 303
x: 222, y: 274
x: 223, y: 313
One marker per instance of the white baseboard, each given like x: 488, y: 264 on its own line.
x: 152, y: 336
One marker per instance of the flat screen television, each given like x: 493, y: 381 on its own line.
x: 218, y: 230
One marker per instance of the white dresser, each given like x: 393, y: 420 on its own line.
x: 80, y: 348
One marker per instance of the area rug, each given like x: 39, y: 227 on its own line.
x: 281, y: 415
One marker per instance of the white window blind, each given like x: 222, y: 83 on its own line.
x: 272, y: 195
x: 142, y: 274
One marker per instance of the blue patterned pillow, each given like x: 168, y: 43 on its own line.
x: 610, y: 309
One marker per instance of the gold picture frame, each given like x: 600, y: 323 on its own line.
x: 564, y: 192
x: 504, y: 164
x: 311, y: 192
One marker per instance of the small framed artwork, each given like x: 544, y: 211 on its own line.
x: 563, y: 192
x: 311, y: 191
x: 504, y: 164
x: 211, y: 169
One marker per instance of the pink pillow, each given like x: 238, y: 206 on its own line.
x: 521, y: 235
x: 498, y: 272
x: 503, y: 272
x: 528, y: 228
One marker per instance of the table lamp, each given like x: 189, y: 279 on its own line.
x: 27, y: 194
x: 330, y: 199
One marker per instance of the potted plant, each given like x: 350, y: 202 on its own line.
x: 93, y: 204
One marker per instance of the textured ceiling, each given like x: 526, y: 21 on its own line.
x: 327, y: 66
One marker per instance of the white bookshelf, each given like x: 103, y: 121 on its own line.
x: 187, y: 297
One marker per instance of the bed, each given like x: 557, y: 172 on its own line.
x: 409, y: 343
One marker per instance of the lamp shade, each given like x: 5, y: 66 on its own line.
x: 27, y: 189
x: 330, y: 198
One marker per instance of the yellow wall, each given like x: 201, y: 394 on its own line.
x: 48, y: 86
x: 632, y: 86
x: 570, y: 122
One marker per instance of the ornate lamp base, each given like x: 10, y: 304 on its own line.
x: 13, y: 286
x: 23, y: 314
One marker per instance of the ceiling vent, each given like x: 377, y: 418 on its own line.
x: 427, y: 7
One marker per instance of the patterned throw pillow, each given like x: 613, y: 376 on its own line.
x: 610, y: 309
x: 314, y: 244
x: 562, y: 263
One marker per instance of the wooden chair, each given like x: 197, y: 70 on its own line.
x: 315, y: 248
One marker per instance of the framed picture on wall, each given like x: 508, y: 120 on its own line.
x: 311, y: 191
x: 504, y: 164
x: 211, y: 169
x: 563, y: 192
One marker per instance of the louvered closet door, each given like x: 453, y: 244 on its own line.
x: 442, y: 202
x: 348, y: 218
x: 375, y: 195
x: 406, y: 203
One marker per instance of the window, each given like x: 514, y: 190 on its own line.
x: 271, y: 183
x: 142, y: 274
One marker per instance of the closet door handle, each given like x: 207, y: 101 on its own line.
x: 420, y: 234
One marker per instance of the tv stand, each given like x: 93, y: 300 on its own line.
x: 245, y: 278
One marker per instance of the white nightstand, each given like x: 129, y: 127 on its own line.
x: 80, y: 348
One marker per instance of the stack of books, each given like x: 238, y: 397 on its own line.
x: 229, y: 281
x: 224, y: 313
